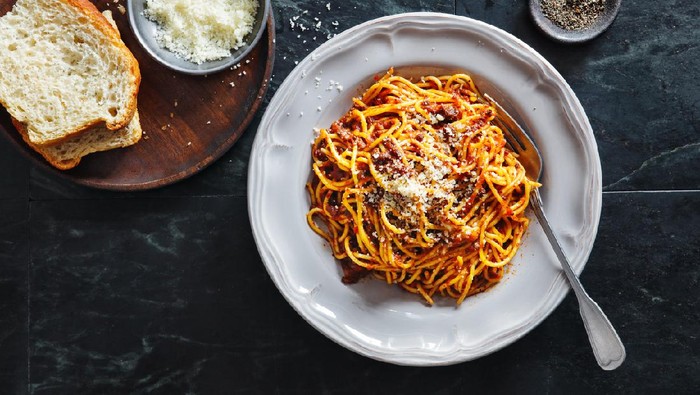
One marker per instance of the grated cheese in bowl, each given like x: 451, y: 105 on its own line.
x: 201, y: 31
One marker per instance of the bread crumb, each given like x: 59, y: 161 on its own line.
x: 121, y: 9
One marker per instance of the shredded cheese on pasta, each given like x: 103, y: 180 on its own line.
x: 415, y: 186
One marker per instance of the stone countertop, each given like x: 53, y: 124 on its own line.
x: 164, y: 292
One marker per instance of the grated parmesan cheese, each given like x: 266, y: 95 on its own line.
x: 200, y: 31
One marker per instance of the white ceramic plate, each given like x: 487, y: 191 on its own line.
x: 370, y: 317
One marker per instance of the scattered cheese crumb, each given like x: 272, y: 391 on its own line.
x: 334, y: 85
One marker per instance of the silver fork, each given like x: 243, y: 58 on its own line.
x: 607, y: 346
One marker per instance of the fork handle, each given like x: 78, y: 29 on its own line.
x: 607, y: 346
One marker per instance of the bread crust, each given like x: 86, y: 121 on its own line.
x: 100, y: 22
x: 68, y: 164
x: 61, y: 165
x: 103, y: 25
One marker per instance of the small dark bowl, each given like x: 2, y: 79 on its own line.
x: 575, y: 36
x: 145, y: 32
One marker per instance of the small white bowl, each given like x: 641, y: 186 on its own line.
x: 145, y: 31
x: 575, y: 36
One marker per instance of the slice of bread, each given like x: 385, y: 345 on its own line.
x: 65, y: 70
x: 67, y: 154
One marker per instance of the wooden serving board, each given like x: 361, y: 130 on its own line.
x: 188, y: 121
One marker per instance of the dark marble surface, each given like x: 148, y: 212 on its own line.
x: 163, y: 292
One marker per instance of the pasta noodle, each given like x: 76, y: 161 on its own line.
x: 415, y: 186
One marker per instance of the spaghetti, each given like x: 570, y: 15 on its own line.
x: 415, y: 186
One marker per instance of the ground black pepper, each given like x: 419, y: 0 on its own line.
x: 572, y: 14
